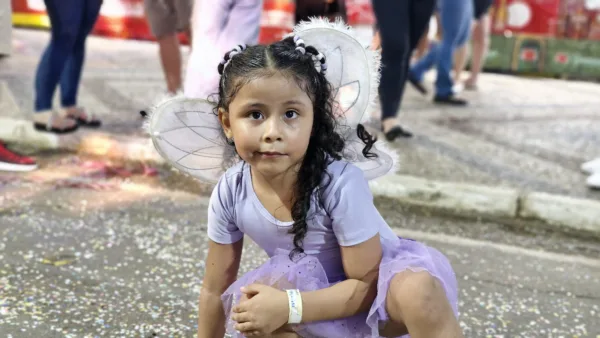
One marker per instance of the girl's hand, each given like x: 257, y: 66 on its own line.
x: 265, y: 311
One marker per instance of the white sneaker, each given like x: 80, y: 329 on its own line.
x: 594, y: 181
x: 591, y: 167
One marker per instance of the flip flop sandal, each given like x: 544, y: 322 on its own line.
x: 90, y: 121
x: 397, y: 132
x: 48, y: 128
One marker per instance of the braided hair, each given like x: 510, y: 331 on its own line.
x: 307, y: 66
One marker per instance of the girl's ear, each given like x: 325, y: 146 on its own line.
x: 225, y: 123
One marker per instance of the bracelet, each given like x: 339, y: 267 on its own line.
x: 295, y: 303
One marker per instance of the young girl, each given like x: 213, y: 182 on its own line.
x: 336, y: 269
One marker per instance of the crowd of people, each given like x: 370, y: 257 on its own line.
x: 401, y: 34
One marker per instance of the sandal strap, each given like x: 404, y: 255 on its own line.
x: 50, y: 122
x: 89, y: 117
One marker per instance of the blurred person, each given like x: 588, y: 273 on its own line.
x: 71, y: 22
x: 480, y: 45
x: 10, y: 160
x: 216, y: 27
x: 592, y: 168
x: 455, y: 23
x: 420, y: 50
x: 423, y: 45
x: 167, y: 18
x: 401, y: 25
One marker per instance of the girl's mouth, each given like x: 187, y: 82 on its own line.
x: 270, y: 154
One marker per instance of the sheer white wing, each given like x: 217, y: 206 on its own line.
x: 186, y: 132
x: 353, y: 72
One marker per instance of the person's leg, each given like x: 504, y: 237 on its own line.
x: 65, y: 19
x: 421, y: 11
x: 455, y: 17
x: 162, y: 19
x: 418, y: 70
x: 422, y: 45
x: 461, y: 51
x: 71, y: 75
x: 393, y: 21
x: 397, y: 31
x: 481, y: 44
x: 184, y: 10
x: 461, y: 55
x: 417, y: 304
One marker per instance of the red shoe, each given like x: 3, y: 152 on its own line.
x: 10, y: 161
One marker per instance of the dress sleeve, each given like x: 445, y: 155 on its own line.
x: 349, y: 203
x: 221, y: 225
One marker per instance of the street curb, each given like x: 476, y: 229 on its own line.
x: 574, y: 214
x: 578, y: 214
x: 471, y: 200
x: 496, y: 202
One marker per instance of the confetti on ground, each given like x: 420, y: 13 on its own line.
x: 85, y: 262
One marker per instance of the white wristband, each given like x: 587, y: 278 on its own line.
x: 295, y: 303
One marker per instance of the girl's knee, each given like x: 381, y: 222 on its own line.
x: 418, y: 297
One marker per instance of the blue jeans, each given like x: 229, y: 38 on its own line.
x: 456, y: 17
x: 71, y: 21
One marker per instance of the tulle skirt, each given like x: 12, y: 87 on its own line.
x: 307, y: 274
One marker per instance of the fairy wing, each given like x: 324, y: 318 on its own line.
x: 353, y: 72
x: 186, y: 132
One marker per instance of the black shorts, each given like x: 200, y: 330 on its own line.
x: 480, y: 7
x: 319, y: 8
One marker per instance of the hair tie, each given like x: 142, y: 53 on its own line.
x: 299, y: 44
x: 227, y: 58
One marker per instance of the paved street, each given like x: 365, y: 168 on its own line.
x: 517, y: 132
x: 88, y: 250
x: 124, y: 258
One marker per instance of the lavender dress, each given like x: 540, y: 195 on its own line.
x: 345, y: 216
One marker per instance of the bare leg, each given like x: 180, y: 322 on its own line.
x: 284, y: 332
x: 481, y: 43
x: 417, y: 304
x: 460, y: 61
x: 170, y: 56
x: 389, y: 123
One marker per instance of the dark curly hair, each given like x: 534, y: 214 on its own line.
x: 325, y: 145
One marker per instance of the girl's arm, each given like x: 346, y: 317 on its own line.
x: 352, y: 296
x: 222, y: 264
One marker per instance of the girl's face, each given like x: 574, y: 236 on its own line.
x: 270, y: 120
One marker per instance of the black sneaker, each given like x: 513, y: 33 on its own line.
x: 396, y: 132
x: 450, y: 100
x: 417, y: 84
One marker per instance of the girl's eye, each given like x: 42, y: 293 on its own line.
x: 256, y: 115
x: 290, y: 114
